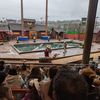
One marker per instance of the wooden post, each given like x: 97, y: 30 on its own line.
x: 22, y: 22
x: 46, y: 18
x: 89, y: 32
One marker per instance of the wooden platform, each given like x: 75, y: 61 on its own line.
x: 8, y: 54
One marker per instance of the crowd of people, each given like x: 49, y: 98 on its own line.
x: 49, y: 83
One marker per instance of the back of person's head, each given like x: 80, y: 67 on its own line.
x: 69, y: 85
x: 35, y: 73
x: 93, y: 65
x: 2, y: 63
x: 2, y: 77
x: 52, y: 72
x: 12, y: 71
x: 23, y: 67
x: 7, y: 68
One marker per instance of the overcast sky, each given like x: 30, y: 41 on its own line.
x: 58, y: 9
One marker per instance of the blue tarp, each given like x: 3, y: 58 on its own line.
x: 23, y: 38
x: 45, y: 37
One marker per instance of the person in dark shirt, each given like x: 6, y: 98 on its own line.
x: 47, y: 51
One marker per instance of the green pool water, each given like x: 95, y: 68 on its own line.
x: 24, y: 48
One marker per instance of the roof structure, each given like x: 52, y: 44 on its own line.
x: 39, y: 27
x: 4, y: 27
x: 15, y: 26
x: 29, y: 20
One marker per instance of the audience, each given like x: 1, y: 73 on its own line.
x: 50, y: 83
x: 5, y: 92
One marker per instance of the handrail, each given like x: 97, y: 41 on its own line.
x: 34, y: 59
x: 17, y: 90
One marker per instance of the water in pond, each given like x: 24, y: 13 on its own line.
x: 42, y: 46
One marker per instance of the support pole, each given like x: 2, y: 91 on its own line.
x: 89, y: 32
x: 46, y: 18
x: 22, y: 22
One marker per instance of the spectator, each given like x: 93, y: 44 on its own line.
x: 69, y: 85
x: 52, y: 73
x: 24, y: 66
x: 33, y: 94
x: 35, y: 73
x: 46, y: 86
x: 7, y: 68
x: 2, y: 77
x: 24, y: 71
x: 13, y: 79
x: 5, y: 92
x: 2, y: 63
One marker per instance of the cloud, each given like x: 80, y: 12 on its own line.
x: 58, y: 9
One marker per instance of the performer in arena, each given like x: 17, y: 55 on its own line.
x: 34, y: 37
x: 65, y: 47
x: 47, y: 51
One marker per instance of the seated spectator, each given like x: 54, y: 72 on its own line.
x: 52, y: 73
x: 13, y: 79
x: 46, y: 86
x: 2, y: 63
x: 93, y: 65
x: 69, y: 85
x: 24, y: 71
x: 33, y: 86
x: 44, y: 72
x: 35, y: 73
x: 7, y: 68
x: 24, y: 66
x: 5, y: 92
